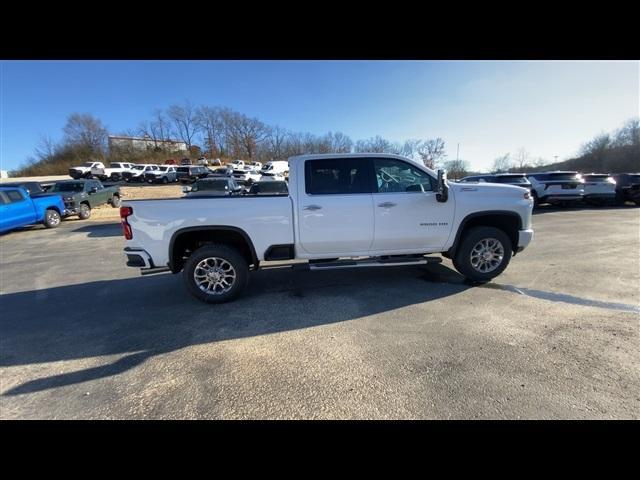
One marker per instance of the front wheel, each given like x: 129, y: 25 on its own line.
x: 483, y: 254
x: 51, y: 218
x: 216, y: 273
x: 115, y: 201
x: 85, y: 211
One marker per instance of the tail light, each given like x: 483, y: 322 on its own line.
x: 527, y: 195
x: 125, y: 212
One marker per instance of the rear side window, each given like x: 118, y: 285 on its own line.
x: 337, y: 176
x: 14, y: 196
x: 3, y: 198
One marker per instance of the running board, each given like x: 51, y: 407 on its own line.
x: 386, y: 262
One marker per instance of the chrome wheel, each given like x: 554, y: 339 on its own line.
x: 214, y: 275
x: 487, y: 255
x: 53, y: 218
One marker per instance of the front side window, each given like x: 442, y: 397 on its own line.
x: 337, y: 176
x: 393, y: 175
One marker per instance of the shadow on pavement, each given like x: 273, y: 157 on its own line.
x: 144, y: 317
x: 99, y: 230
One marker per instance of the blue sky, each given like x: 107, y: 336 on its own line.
x: 489, y: 107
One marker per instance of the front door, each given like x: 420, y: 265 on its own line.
x: 407, y: 215
x: 335, y: 209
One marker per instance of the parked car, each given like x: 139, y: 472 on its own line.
x: 627, y: 188
x: 202, y: 161
x: 517, y: 179
x: 255, y: 166
x: 191, y: 174
x: 34, y: 188
x: 171, y: 161
x: 136, y: 174
x: 205, y: 187
x: 215, y: 162
x: 599, y: 189
x: 556, y: 188
x: 279, y: 167
x: 19, y: 209
x: 237, y: 164
x: 185, y: 161
x: 164, y: 174
x: 80, y: 196
x: 246, y: 175
x: 114, y: 173
x: 330, y: 213
x: 269, y: 187
x: 221, y: 172
x: 84, y: 170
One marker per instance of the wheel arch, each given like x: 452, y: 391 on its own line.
x: 508, y: 221
x: 196, y: 236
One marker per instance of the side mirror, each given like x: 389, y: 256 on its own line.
x: 443, y: 190
x: 93, y: 190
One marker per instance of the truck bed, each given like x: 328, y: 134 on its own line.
x: 267, y: 220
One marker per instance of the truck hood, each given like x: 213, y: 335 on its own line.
x: 494, y: 189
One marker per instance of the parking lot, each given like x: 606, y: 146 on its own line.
x: 555, y: 336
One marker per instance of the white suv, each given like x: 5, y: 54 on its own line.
x: 556, y: 187
x: 599, y: 188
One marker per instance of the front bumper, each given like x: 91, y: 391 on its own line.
x: 524, y: 239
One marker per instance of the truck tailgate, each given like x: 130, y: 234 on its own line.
x: 266, y: 221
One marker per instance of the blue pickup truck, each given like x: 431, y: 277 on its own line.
x: 18, y: 209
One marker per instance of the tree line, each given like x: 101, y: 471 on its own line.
x: 214, y: 132
x: 614, y: 152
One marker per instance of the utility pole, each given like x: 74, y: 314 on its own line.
x: 556, y: 158
x: 458, y: 153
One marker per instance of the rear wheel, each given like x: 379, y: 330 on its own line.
x: 216, y: 273
x: 115, y: 177
x: 483, y: 254
x: 51, y: 218
x: 85, y: 211
x: 115, y: 201
x: 165, y: 180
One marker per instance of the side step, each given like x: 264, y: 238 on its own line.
x: 374, y: 262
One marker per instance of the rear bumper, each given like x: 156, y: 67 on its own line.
x: 563, y: 198
x: 138, y: 257
x: 600, y: 196
x: 524, y: 239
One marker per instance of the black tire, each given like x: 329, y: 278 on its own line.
x: 165, y: 180
x: 115, y: 201
x: 85, y: 211
x: 472, y: 237
x: 223, y: 252
x: 51, y: 218
x: 115, y: 177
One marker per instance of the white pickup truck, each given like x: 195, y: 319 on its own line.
x: 342, y: 211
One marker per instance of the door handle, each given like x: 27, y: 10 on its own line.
x: 312, y: 207
x: 387, y: 204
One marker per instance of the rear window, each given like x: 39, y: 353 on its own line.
x: 211, y: 185
x: 337, y: 176
x: 511, y: 179
x: 597, y: 178
x: 14, y: 195
x: 183, y: 169
x: 270, y: 188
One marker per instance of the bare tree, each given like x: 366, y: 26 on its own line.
x: 456, y: 169
x: 45, y: 149
x: 85, y: 130
x: 629, y: 134
x: 502, y: 164
x: 375, y: 144
x: 340, y: 143
x: 521, y: 158
x: 184, y: 122
x: 276, y: 143
x: 211, y: 125
x: 431, y: 152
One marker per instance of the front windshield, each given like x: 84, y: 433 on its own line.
x: 163, y: 169
x: 68, y: 187
x: 87, y: 164
x: 211, y: 186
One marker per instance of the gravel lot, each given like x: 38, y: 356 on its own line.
x: 556, y: 336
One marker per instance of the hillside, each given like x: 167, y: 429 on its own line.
x: 620, y: 159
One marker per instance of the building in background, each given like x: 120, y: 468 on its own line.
x: 145, y: 143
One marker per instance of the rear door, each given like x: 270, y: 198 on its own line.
x: 407, y: 215
x: 335, y: 209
